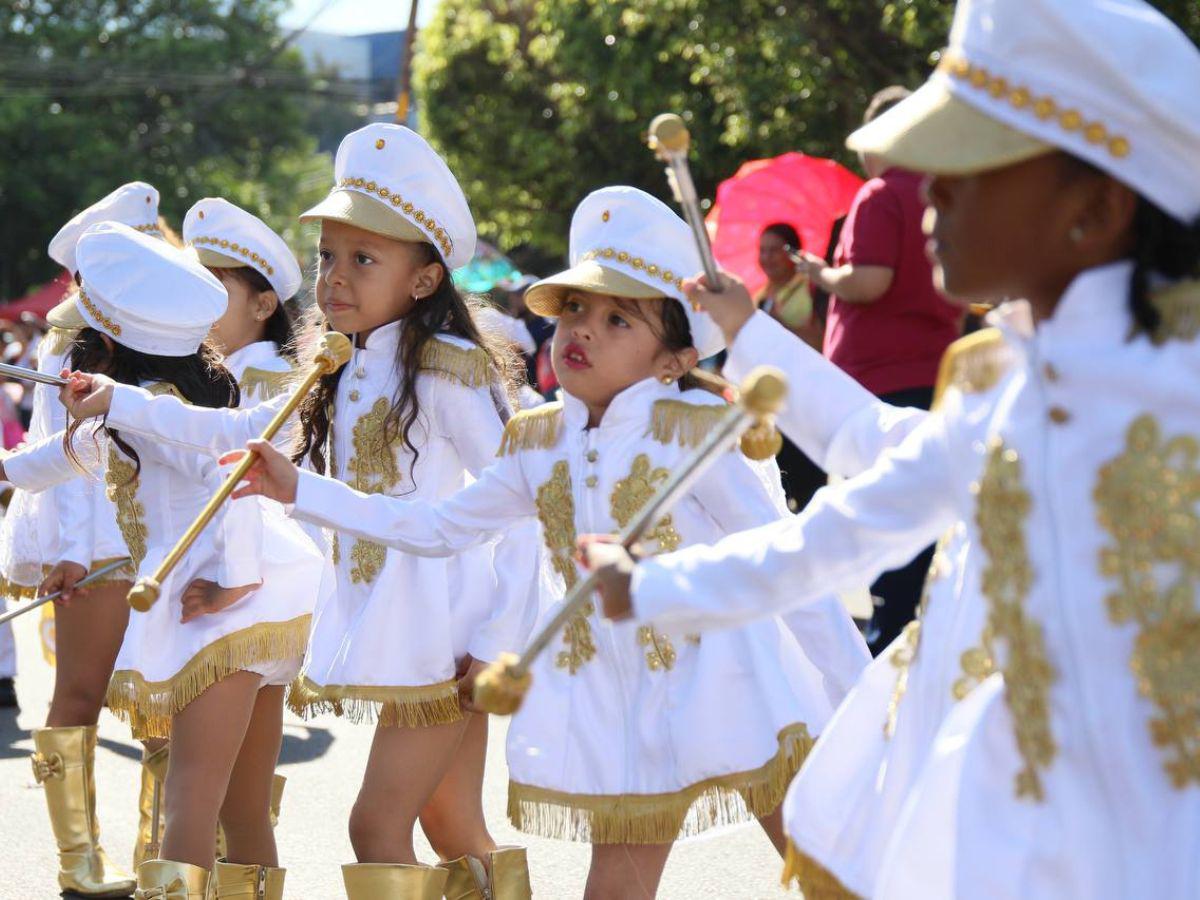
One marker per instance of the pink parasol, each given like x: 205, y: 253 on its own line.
x: 807, y: 192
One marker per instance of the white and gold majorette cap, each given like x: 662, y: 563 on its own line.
x: 388, y: 180
x: 1112, y: 82
x: 225, y: 236
x: 134, y: 204
x: 145, y: 294
x: 626, y: 243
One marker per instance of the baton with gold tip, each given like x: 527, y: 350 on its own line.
x: 501, y: 687
x: 334, y: 352
x: 669, y: 138
x: 92, y: 578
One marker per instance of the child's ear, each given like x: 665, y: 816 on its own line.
x: 428, y: 279
x: 679, y: 364
x: 265, y: 303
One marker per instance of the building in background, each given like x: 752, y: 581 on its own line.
x: 369, y: 61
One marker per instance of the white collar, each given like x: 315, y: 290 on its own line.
x: 384, y: 338
x: 630, y: 406
x: 1094, y: 309
x: 259, y: 352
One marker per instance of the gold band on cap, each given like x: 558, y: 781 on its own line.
x: 1021, y: 98
x: 427, y: 222
x: 249, y: 257
x: 626, y: 258
x: 100, y: 317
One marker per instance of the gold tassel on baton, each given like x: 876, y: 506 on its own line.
x: 332, y: 355
x: 501, y: 687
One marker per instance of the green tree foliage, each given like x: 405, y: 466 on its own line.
x: 536, y: 102
x: 197, y: 97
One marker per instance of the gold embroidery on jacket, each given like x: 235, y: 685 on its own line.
x: 122, y: 484
x: 1002, y: 506
x: 1148, y: 500
x: 556, y: 510
x: 372, y: 470
x: 906, y: 653
x: 629, y: 495
x: 633, y: 491
x: 977, y: 663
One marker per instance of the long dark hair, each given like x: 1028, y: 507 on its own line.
x: 200, y: 378
x: 445, y: 311
x: 1161, y: 245
x: 280, y: 327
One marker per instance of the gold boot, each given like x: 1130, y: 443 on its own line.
x: 231, y: 880
x: 277, y: 783
x: 165, y: 879
x: 154, y: 773
x: 465, y: 879
x: 509, y: 879
x: 468, y: 879
x: 389, y: 881
x: 63, y: 764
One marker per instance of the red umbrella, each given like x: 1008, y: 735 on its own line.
x: 806, y: 192
x: 40, y: 301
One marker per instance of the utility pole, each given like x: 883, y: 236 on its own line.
x: 405, y: 76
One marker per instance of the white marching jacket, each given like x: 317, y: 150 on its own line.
x: 1068, y: 454
x: 376, y: 653
x: 713, y: 728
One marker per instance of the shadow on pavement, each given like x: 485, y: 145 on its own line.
x: 303, y: 744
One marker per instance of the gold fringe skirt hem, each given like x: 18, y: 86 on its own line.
x: 815, y: 881
x: 661, y: 818
x: 148, y: 706
x: 418, y: 706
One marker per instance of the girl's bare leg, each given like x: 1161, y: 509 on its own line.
x: 206, y: 737
x: 403, y: 771
x: 625, y: 871
x: 246, y: 813
x: 453, y: 818
x: 87, y: 637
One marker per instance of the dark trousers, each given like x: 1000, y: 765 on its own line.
x: 899, y: 591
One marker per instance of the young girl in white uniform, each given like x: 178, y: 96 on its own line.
x: 630, y: 738
x: 1065, y: 448
x: 232, y: 619
x: 420, y: 405
x: 53, y: 538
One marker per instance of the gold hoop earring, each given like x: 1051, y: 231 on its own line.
x: 667, y: 379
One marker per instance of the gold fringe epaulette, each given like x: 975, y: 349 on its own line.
x: 661, y: 818
x: 972, y: 364
x: 404, y: 706
x: 1179, y: 312
x: 150, y: 705
x: 683, y: 423
x: 161, y: 388
x: 57, y: 340
x: 532, y: 429
x: 472, y: 368
x: 815, y: 881
x: 263, y: 384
